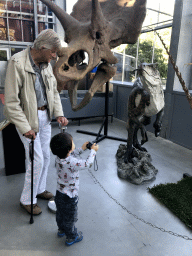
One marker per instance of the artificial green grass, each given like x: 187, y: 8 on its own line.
x: 177, y: 197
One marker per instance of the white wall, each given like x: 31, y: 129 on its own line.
x: 184, y: 55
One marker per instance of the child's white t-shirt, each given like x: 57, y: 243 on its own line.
x: 68, y: 171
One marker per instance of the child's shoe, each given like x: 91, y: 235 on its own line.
x: 78, y: 238
x: 60, y: 233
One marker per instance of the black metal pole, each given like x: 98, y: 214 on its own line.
x: 104, y: 124
x: 106, y: 108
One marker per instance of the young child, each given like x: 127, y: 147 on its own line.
x: 66, y: 198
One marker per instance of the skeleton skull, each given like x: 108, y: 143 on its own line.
x: 91, y: 31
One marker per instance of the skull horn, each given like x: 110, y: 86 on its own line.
x: 67, y: 21
x: 98, y: 22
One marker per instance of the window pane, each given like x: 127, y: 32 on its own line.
x: 41, y: 26
x: 50, y: 25
x: 28, y: 31
x: 13, y: 5
x: 41, y: 8
x: 50, y: 12
x: 128, y: 68
x: 3, y: 55
x: 3, y: 66
x: 119, y: 65
x: 15, y: 30
x: 27, y: 6
x: 15, y: 50
x: 2, y: 6
x: 3, y: 29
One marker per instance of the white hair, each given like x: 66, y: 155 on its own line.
x: 48, y: 39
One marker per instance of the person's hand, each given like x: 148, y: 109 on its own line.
x: 95, y: 147
x: 30, y: 135
x: 85, y: 145
x: 62, y: 120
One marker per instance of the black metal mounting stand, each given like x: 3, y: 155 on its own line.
x: 104, y: 125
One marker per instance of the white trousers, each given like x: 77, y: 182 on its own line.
x: 41, y: 160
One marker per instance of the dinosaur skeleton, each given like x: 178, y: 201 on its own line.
x: 145, y: 100
x: 139, y: 106
x: 91, y: 31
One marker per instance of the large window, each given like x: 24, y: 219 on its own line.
x: 125, y: 67
x: 17, y: 19
x: 45, y: 17
x: 148, y: 48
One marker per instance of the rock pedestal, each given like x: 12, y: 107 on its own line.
x: 140, y: 171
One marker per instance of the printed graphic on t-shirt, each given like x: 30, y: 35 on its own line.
x: 68, y: 171
x: 61, y: 166
x: 61, y: 186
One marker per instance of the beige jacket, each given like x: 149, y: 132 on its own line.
x: 20, y: 98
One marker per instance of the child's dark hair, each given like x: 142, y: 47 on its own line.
x: 61, y: 144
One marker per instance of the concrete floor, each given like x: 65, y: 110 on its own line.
x: 108, y: 228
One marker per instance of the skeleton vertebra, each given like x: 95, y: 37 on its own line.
x: 93, y: 29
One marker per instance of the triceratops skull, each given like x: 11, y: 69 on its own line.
x: 92, y: 30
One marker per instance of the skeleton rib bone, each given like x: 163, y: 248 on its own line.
x: 93, y: 29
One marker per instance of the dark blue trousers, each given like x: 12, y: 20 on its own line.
x: 66, y: 214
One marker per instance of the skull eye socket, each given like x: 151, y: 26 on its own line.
x: 80, y: 59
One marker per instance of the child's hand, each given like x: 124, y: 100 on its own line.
x: 85, y: 145
x: 95, y: 147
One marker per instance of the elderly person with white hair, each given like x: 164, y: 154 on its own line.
x: 31, y: 100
